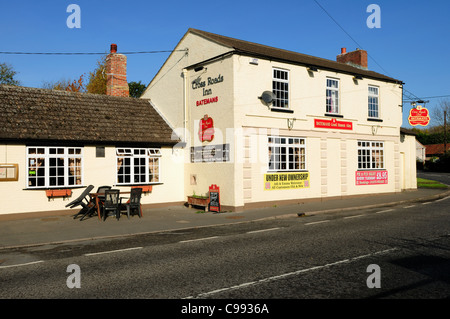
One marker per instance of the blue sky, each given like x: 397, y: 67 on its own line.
x: 413, y: 43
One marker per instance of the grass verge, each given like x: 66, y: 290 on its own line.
x: 427, y: 183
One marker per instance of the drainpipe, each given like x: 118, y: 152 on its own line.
x: 185, y: 97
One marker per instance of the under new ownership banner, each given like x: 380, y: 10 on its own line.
x: 371, y: 177
x: 286, y: 181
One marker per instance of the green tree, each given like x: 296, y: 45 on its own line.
x: 7, y: 75
x: 97, y: 78
x: 136, y: 89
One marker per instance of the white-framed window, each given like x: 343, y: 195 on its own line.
x: 370, y: 155
x: 138, y: 166
x: 332, y: 96
x: 286, y: 153
x: 373, y: 101
x: 56, y: 167
x: 280, y: 87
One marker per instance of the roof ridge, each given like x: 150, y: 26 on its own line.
x: 293, y: 56
x: 64, y: 92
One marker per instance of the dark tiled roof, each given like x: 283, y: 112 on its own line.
x: 256, y: 50
x: 434, y: 149
x: 29, y: 114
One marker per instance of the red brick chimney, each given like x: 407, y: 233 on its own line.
x: 116, y: 73
x: 357, y: 58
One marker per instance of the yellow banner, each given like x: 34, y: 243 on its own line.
x: 286, y: 181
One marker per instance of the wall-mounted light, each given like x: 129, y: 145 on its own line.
x: 312, y: 69
x: 254, y: 61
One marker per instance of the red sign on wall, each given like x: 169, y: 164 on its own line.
x: 419, y: 116
x: 334, y: 124
x: 371, y: 177
x: 206, y: 129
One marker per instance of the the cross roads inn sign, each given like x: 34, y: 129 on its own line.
x: 419, y: 116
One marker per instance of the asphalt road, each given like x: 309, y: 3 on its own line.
x: 436, y: 176
x: 324, y: 256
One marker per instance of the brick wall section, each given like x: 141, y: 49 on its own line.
x: 116, y: 72
x: 356, y: 58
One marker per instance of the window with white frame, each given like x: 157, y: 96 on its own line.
x: 370, y: 155
x: 49, y: 167
x: 373, y: 102
x: 332, y: 102
x: 138, y: 165
x: 280, y: 87
x: 286, y: 153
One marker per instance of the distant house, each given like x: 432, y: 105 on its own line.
x: 435, y: 150
x: 56, y: 140
x: 420, y: 151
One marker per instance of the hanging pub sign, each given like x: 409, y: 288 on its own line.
x: 206, y: 129
x: 214, y: 198
x: 419, y: 116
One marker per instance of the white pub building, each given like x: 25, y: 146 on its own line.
x: 270, y: 126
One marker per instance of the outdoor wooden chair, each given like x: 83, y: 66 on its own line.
x: 84, y: 200
x: 133, y: 205
x: 111, y: 203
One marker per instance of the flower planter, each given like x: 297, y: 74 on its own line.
x: 145, y: 189
x: 58, y: 193
x: 198, y: 201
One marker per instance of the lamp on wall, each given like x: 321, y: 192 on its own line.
x: 312, y: 69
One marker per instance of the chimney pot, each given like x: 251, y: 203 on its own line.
x: 113, y: 48
x: 356, y: 58
x: 116, y: 73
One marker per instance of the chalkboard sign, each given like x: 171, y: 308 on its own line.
x: 214, y: 199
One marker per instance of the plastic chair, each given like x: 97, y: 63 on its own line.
x: 85, y: 202
x: 134, y: 203
x: 111, y: 203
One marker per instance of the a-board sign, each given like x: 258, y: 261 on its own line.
x: 214, y: 198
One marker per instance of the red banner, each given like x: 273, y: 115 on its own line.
x: 371, y: 177
x: 334, y: 124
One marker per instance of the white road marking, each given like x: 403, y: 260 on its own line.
x: 353, y: 216
x: 198, y: 239
x: 112, y: 251
x: 26, y: 264
x: 319, y: 222
x: 262, y: 230
x: 442, y: 199
x: 409, y: 206
x: 294, y: 273
x: 384, y: 211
